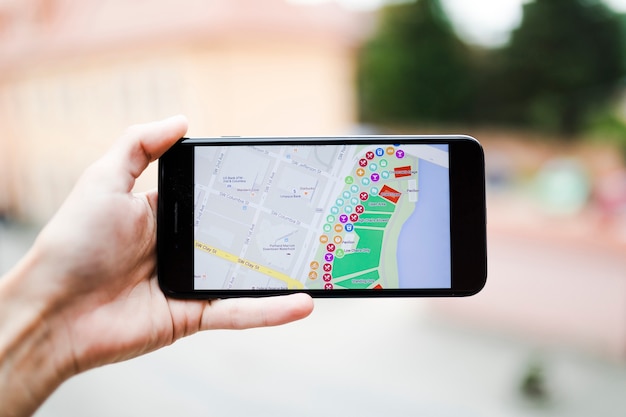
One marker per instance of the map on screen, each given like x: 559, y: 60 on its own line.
x: 342, y: 216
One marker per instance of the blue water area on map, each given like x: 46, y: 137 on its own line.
x: 424, y: 243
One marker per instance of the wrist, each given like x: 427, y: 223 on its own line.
x: 31, y: 364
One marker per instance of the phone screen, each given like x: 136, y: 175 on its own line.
x: 322, y: 217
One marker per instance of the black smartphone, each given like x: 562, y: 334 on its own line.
x: 365, y: 216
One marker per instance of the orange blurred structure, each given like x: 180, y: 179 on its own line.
x: 74, y: 74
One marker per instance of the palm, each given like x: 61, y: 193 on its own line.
x: 113, y: 308
x: 87, y: 294
x: 113, y: 297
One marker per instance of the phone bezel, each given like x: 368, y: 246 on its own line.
x: 467, y: 216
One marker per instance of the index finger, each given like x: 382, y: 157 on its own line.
x: 245, y: 313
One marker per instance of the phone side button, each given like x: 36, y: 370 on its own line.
x: 176, y: 218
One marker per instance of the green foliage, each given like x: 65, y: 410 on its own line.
x: 605, y: 126
x: 565, y: 58
x: 563, y: 63
x: 415, y: 68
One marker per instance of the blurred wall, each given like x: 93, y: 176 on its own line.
x: 73, y: 75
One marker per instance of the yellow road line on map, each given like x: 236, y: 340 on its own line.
x: 291, y: 283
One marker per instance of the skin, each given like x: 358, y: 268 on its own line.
x: 86, y: 293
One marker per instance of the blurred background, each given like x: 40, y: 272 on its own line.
x: 541, y: 83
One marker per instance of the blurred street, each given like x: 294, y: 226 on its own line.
x: 547, y: 335
x: 391, y: 356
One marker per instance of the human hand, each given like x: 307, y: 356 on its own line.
x: 90, y: 275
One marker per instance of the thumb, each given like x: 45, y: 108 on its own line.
x: 136, y: 148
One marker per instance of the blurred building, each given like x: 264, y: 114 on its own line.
x: 74, y: 74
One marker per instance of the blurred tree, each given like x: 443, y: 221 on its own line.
x: 415, y: 68
x: 566, y: 58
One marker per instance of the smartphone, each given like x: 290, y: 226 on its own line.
x: 365, y: 216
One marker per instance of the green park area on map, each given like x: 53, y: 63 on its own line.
x: 370, y: 242
x: 374, y: 210
x: 362, y: 281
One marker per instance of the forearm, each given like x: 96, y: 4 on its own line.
x: 30, y: 366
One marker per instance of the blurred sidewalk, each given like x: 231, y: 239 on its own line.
x: 556, y: 280
x: 15, y: 239
x: 397, y: 357
x: 518, y: 215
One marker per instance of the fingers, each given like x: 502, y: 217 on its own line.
x: 244, y: 313
x: 152, y: 197
x: 136, y: 148
x: 144, y: 143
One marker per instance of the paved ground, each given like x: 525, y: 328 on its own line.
x: 394, y: 357
x: 14, y: 240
